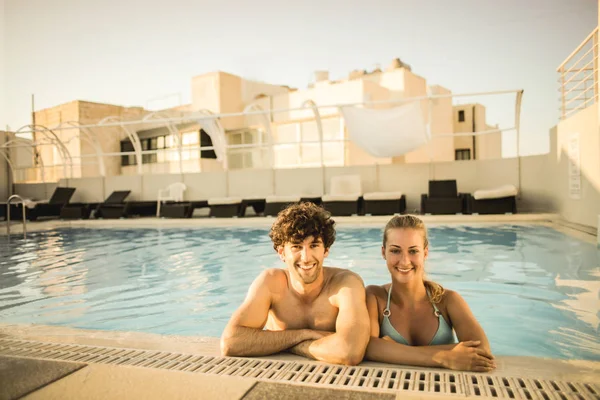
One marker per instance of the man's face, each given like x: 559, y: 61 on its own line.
x: 304, y: 259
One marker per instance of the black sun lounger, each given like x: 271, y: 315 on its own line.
x: 443, y: 198
x: 114, y: 206
x: 59, y: 199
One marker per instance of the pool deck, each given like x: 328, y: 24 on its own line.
x: 107, y: 381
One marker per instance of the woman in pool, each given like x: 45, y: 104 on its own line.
x: 413, y: 319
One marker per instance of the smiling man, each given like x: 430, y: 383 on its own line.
x: 308, y: 309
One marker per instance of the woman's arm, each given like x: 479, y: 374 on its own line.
x: 463, y: 321
x: 463, y: 356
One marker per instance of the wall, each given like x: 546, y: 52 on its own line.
x: 325, y: 93
x: 538, y: 192
x: 440, y: 148
x: 230, y: 101
x: 109, y: 138
x: 205, y: 92
x: 50, y: 118
x: 586, y: 209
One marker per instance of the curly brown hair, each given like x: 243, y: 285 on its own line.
x: 298, y: 221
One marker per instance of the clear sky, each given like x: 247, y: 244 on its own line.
x: 129, y: 52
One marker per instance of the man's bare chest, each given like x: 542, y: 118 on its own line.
x: 290, y: 313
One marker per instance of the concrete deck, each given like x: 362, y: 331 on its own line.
x: 122, y: 381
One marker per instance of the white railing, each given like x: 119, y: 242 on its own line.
x: 327, y: 146
x: 578, y: 77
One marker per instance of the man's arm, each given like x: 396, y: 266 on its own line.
x: 244, y: 334
x: 347, y: 345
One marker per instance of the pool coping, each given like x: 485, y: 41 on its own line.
x: 582, y: 232
x: 509, y: 367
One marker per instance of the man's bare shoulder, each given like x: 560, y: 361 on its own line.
x: 341, y: 277
x: 274, y: 279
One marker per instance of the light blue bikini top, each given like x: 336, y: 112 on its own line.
x: 444, y: 334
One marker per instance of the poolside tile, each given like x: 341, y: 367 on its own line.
x: 19, y: 376
x: 268, y: 390
x: 99, y: 381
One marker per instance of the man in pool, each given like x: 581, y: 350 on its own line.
x: 307, y: 309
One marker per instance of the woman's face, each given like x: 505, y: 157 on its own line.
x: 404, y: 254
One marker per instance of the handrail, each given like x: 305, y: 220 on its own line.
x: 15, y: 196
x: 573, y: 80
x: 595, y: 31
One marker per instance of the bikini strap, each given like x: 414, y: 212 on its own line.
x: 435, y: 309
x: 386, y: 311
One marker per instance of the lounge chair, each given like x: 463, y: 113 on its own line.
x: 225, y: 207
x: 500, y: 200
x: 274, y: 204
x: 345, y: 195
x: 114, y: 206
x: 50, y: 208
x: 443, y: 198
x: 258, y: 204
x: 384, y: 203
x: 174, y: 206
x: 77, y: 210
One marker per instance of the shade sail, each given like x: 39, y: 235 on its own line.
x: 386, y: 132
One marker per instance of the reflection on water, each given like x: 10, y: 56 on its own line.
x: 535, y: 291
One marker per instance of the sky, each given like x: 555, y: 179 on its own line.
x: 132, y: 52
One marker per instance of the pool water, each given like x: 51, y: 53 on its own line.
x: 534, y: 290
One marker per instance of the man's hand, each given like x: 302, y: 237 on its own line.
x: 301, y: 349
x: 468, y: 356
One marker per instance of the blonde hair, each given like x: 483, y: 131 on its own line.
x: 435, y: 290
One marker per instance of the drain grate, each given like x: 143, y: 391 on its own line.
x: 306, y: 373
x: 529, y: 389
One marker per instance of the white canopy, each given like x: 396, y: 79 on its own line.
x: 387, y: 132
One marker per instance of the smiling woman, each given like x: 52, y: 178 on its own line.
x: 411, y: 311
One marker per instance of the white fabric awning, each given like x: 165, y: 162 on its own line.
x: 387, y: 132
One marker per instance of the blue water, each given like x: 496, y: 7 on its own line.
x: 534, y: 290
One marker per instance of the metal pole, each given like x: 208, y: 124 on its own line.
x: 518, y: 129
x: 595, y: 44
x: 562, y: 91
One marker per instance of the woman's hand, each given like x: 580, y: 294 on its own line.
x: 468, y: 356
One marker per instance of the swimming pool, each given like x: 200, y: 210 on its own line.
x: 535, y: 290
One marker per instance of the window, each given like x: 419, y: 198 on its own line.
x: 298, y: 144
x: 127, y: 146
x: 461, y: 116
x: 206, y: 141
x: 462, y: 154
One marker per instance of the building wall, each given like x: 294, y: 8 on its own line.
x: 323, y: 93
x: 230, y: 100
x: 585, y: 209
x: 487, y: 146
x: 50, y: 118
x: 109, y: 138
x: 440, y: 148
x: 205, y: 92
x: 84, y: 113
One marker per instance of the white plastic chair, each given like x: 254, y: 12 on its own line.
x: 173, y: 192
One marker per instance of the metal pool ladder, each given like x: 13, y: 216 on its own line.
x: 15, y: 196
